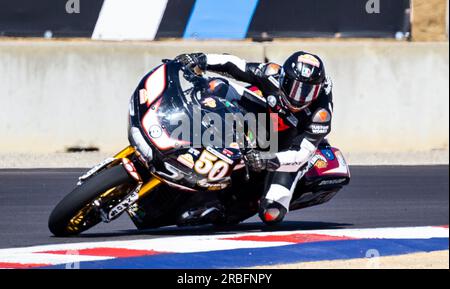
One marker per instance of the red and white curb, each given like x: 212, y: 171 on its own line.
x: 47, y: 255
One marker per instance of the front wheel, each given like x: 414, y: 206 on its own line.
x: 79, y: 210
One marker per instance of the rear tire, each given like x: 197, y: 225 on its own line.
x: 81, y: 196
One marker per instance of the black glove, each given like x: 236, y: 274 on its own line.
x: 258, y: 161
x: 193, y: 59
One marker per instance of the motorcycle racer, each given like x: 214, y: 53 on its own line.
x: 301, y: 94
x: 159, y: 181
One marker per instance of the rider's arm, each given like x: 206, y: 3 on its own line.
x: 234, y: 66
x: 254, y: 73
x: 261, y: 75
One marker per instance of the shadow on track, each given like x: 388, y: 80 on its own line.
x: 253, y: 227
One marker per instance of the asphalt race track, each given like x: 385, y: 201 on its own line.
x: 378, y: 196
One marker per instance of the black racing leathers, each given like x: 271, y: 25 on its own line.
x: 299, y: 133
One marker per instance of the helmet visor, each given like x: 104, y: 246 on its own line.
x: 302, y: 93
x: 298, y: 94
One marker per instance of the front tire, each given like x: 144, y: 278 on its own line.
x: 61, y: 220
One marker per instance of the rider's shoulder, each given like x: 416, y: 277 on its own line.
x: 265, y: 69
x: 271, y: 69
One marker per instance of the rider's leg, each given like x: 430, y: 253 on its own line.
x: 242, y: 200
x: 279, y: 190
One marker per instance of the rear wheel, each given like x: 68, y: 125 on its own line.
x: 79, y: 210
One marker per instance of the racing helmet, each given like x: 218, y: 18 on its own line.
x: 302, y: 78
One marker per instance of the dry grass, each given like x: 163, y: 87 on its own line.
x: 429, y: 20
x: 432, y: 260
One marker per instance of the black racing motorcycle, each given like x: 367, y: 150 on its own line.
x: 158, y: 176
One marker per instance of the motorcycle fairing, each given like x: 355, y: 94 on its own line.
x: 174, y: 159
x: 326, y: 177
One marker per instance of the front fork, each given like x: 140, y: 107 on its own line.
x: 138, y: 192
x: 152, y: 183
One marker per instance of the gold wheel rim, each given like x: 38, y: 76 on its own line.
x: 74, y: 223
